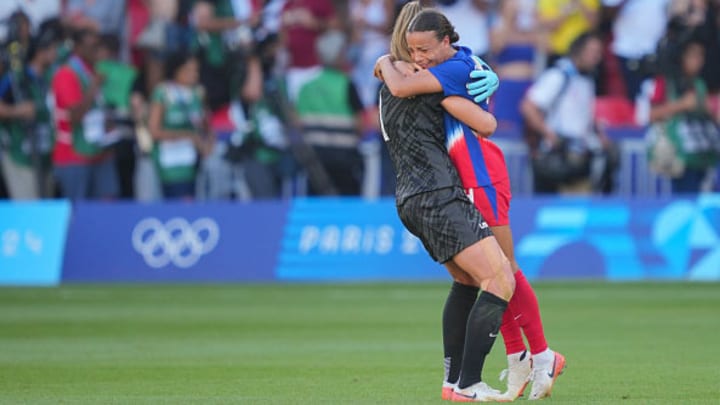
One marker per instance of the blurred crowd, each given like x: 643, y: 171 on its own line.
x: 258, y: 99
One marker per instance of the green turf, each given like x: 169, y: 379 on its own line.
x: 309, y: 344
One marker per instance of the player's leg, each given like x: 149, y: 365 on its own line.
x: 524, y: 304
x: 523, y: 313
x: 455, y: 234
x: 459, y: 303
x: 490, y: 269
x: 494, y: 204
x: 547, y: 364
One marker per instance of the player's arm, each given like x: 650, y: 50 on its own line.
x: 422, y: 82
x: 481, y: 85
x: 480, y: 121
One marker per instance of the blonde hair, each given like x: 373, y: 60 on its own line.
x: 398, y: 42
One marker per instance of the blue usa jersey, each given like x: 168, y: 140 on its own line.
x: 479, y: 161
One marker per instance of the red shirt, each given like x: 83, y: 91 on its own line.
x: 300, y: 41
x: 68, y: 92
x: 659, y: 95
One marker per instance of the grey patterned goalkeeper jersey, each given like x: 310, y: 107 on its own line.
x: 415, y: 136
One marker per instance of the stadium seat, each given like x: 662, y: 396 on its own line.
x: 614, y: 111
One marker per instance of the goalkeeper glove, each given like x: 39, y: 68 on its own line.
x: 483, y: 81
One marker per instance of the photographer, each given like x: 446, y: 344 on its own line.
x: 25, y: 120
x: 571, y: 154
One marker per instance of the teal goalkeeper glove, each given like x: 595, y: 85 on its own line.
x: 483, y: 81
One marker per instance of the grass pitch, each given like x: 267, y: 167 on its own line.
x: 337, y: 344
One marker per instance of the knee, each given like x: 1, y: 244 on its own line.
x: 465, y: 279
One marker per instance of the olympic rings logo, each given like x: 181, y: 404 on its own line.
x: 176, y: 241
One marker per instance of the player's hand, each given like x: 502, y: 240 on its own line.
x: 406, y: 69
x: 377, y: 71
x: 483, y: 82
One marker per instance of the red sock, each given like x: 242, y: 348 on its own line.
x: 525, y: 310
x: 512, y: 336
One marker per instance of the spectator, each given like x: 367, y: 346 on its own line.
x: 329, y: 109
x: 699, y: 19
x: 680, y: 105
x: 116, y: 91
x: 37, y: 11
x: 96, y: 15
x: 637, y: 28
x: 471, y: 19
x: 146, y: 183
x: 514, y: 39
x: 221, y: 37
x: 302, y: 22
x: 83, y: 165
x: 370, y: 24
x: 571, y: 152
x: 261, y: 147
x: 26, y: 120
x: 179, y: 127
x: 564, y: 20
x: 19, y: 31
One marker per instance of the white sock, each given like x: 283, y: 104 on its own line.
x: 544, y: 357
x: 516, y: 357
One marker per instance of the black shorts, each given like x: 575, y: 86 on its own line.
x: 445, y: 221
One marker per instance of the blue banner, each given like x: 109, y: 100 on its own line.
x: 32, y: 238
x: 555, y: 238
x: 174, y: 242
x: 619, y: 239
x: 347, y: 239
x: 351, y: 239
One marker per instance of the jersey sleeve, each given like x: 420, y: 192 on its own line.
x: 453, y: 76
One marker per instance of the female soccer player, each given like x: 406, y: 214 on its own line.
x: 481, y: 166
x: 433, y: 206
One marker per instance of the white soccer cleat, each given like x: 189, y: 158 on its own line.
x: 447, y: 391
x: 517, y: 374
x: 545, y: 372
x: 479, y: 392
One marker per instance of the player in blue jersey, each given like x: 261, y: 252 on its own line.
x: 433, y: 205
x: 482, y: 169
